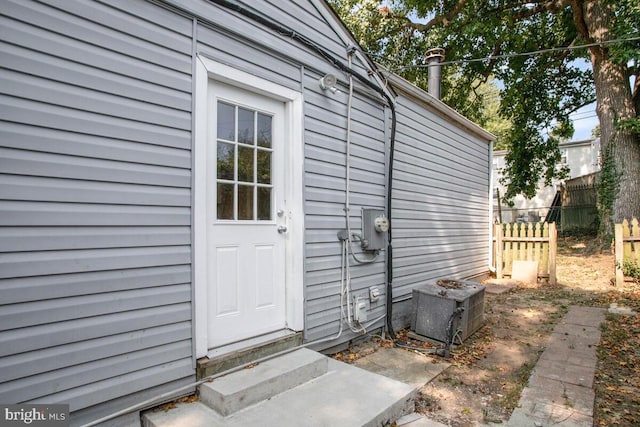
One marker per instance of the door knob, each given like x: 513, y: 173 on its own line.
x: 282, y: 229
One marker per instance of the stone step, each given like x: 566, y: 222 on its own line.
x: 244, y: 388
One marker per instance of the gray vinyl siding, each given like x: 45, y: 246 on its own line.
x: 440, y: 199
x: 95, y: 187
x: 223, y: 37
x: 324, y: 193
x: 267, y: 52
x: 95, y: 200
x: 96, y: 193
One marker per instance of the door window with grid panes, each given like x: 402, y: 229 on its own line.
x: 244, y: 159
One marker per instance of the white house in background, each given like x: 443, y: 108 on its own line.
x: 581, y: 157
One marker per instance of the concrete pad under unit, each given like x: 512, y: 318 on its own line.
x: 500, y: 286
x: 402, y: 365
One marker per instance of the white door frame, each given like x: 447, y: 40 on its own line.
x: 294, y: 156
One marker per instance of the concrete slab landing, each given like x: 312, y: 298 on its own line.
x: 402, y: 365
x: 500, y: 286
x: 344, y: 396
x: 409, y: 367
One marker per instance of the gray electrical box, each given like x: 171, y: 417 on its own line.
x: 374, y: 229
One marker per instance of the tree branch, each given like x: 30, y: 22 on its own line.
x: 563, y: 55
x: 579, y: 20
x: 492, y: 62
x: 521, y: 10
x: 444, y: 19
x: 584, y: 104
x: 507, y: 7
x: 518, y: 11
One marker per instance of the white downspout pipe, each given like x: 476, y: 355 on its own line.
x: 491, y: 191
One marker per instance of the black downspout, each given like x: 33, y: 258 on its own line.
x: 389, y: 245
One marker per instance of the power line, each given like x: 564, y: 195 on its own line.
x: 584, y: 118
x: 581, y: 115
x: 535, y: 52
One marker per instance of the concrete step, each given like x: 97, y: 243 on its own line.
x: 236, y: 391
x: 344, y: 396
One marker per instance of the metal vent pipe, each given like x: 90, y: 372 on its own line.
x: 434, y: 57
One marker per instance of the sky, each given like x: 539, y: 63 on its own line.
x: 584, y: 120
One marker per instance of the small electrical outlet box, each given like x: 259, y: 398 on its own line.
x: 374, y: 294
x: 360, y: 309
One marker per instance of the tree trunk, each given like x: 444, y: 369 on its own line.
x: 614, y: 105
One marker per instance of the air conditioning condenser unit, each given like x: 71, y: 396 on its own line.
x: 437, y: 304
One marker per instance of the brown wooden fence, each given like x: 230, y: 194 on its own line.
x: 627, y: 246
x: 526, y: 242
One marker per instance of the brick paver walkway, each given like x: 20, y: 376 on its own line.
x: 560, y: 390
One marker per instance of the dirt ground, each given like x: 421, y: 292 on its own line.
x: 518, y: 323
x: 489, y: 371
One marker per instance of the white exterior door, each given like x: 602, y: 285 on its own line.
x: 246, y: 215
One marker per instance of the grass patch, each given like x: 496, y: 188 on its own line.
x: 513, y: 390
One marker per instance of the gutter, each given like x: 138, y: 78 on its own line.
x: 414, y: 91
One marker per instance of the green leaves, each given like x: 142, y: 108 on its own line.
x: 537, y: 92
x: 521, y: 46
x: 626, y: 26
